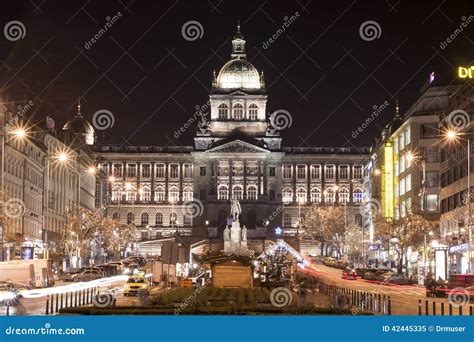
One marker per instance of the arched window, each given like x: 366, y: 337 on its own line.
x: 357, y: 193
x: 344, y: 195
x: 301, y: 195
x: 187, y: 194
x: 287, y: 194
x: 286, y: 220
x: 252, y: 192
x: 237, y: 192
x: 116, y: 216
x: 173, y: 218
x: 315, y: 195
x: 130, y: 218
x: 159, y: 194
x: 253, y: 112
x: 117, y: 193
x: 173, y: 194
x: 238, y: 111
x: 145, y: 194
x: 144, y: 218
x: 159, y: 219
x: 223, y: 192
x: 131, y: 193
x: 223, y: 111
x: 329, y: 195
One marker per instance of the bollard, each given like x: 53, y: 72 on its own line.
x: 52, y: 304
x: 75, y: 298
x: 57, y: 302
x: 434, y: 308
x: 62, y: 299
x: 460, y: 310
x: 67, y: 296
x: 47, y: 305
x: 470, y: 311
x: 419, y: 307
x: 442, y: 309
x: 380, y: 306
x: 426, y: 308
x: 8, y: 310
x: 389, y: 306
x: 450, y: 309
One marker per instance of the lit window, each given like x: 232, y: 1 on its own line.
x: 174, y: 171
x: 187, y: 194
x: 223, y: 193
x: 132, y: 170
x: 287, y: 194
x: 238, y: 111
x: 188, y: 171
x: 287, y: 171
x: 316, y: 172
x: 130, y: 218
x: 160, y: 171
x: 237, y: 192
x: 145, y: 194
x: 144, y: 218
x: 344, y: 172
x: 159, y: 219
x: 159, y: 194
x: 253, y: 112
x: 118, y: 170
x: 315, y: 195
x: 329, y: 195
x: 343, y: 195
x: 357, y: 193
x: 329, y: 172
x: 301, y: 171
x: 301, y: 195
x: 223, y: 111
x: 358, y: 171
x: 173, y: 194
x: 252, y: 193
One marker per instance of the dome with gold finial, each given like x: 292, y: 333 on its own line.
x: 79, y: 128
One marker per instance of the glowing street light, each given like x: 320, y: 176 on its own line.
x: 92, y: 170
x: 19, y: 133
x: 62, y: 157
x: 111, y: 179
x: 451, y: 134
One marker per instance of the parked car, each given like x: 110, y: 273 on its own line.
x: 329, y: 261
x: 141, y: 261
x: 67, y: 276
x: 349, y: 274
x: 370, y: 274
x: 382, y: 275
x: 87, y: 275
x: 398, y: 279
x: 361, y: 271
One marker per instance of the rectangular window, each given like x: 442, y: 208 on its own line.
x: 131, y: 170
x: 146, y: 171
x: 160, y: 171
x: 408, y: 183
x: 431, y: 178
x: 407, y: 136
x: 118, y: 170
x: 329, y: 173
x: 287, y: 171
x: 188, y: 171
x: 358, y: 172
x: 430, y: 154
x: 401, y: 141
x: 395, y: 146
x: 272, y: 171
x: 301, y: 171
x: 344, y: 172
x: 174, y: 171
x: 316, y: 172
x: 402, y: 186
x: 432, y: 202
x: 202, y: 171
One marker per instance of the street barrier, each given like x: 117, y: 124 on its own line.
x: 358, y: 301
x: 461, y: 309
x: 58, y: 301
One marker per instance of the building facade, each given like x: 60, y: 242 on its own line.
x: 238, y: 152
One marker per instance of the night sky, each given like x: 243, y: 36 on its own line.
x: 143, y: 71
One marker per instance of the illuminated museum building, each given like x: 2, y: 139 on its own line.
x: 236, y: 152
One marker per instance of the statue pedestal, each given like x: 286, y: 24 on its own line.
x: 235, y: 244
